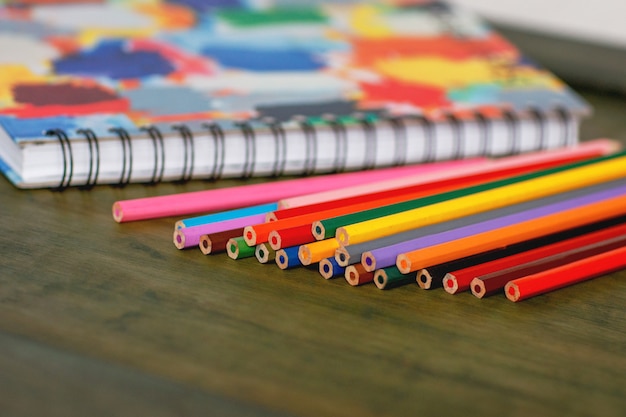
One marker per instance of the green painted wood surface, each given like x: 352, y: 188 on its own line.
x: 102, y: 319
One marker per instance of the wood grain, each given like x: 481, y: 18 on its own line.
x: 98, y: 318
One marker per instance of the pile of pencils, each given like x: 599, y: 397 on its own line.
x: 521, y: 225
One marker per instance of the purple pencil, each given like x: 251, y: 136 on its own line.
x: 190, y: 236
x: 386, y: 256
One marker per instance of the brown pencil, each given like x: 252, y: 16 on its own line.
x: 357, y: 275
x: 216, y: 242
x: 488, y: 284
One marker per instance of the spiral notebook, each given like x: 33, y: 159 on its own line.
x: 148, y: 91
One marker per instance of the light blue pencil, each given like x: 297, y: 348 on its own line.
x: 226, y: 215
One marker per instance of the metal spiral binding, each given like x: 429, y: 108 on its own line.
x: 189, y: 156
x: 159, y: 162
x: 541, y: 125
x: 68, y: 158
x: 219, y: 156
x: 566, y: 118
x: 341, y: 142
x: 512, y: 122
x: 250, y: 138
x: 485, y: 130
x: 127, y: 150
x: 429, y: 134
x: 311, y: 145
x: 280, y: 142
x: 400, y: 135
x: 94, y: 158
x: 458, y: 136
x: 370, y: 141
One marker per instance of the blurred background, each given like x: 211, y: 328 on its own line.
x: 582, y: 41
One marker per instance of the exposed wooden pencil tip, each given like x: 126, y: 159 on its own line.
x: 477, y: 287
x: 318, y: 230
x: 249, y: 235
x: 281, y: 259
x: 403, y: 264
x: 326, y: 269
x: 118, y: 213
x: 368, y: 262
x: 450, y: 284
x: 424, y: 279
x: 342, y: 236
x: 380, y: 279
x: 304, y: 254
x: 262, y: 253
x: 342, y: 257
x: 352, y: 275
x: 274, y: 240
x: 179, y: 239
x: 232, y: 249
x: 511, y: 290
x: 205, y: 244
x: 270, y: 217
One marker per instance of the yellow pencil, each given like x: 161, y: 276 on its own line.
x: 316, y: 251
x: 483, y: 201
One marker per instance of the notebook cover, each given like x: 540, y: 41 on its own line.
x: 102, y: 64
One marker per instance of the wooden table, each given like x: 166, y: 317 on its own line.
x: 102, y: 319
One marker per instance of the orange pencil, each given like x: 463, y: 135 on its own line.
x: 526, y: 230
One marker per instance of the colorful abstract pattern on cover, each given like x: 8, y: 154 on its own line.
x: 71, y: 64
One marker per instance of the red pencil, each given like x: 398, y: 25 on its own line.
x: 494, y: 282
x: 572, y: 273
x: 491, y: 173
x: 284, y: 238
x: 461, y: 279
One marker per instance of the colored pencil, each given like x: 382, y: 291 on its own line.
x: 489, y: 284
x: 457, y: 275
x: 264, y: 253
x: 288, y: 257
x: 238, y: 249
x: 488, y: 197
x: 190, y: 236
x: 572, y: 273
x: 356, y: 275
x: 463, y: 176
x: 298, y: 235
x: 262, y: 193
x: 391, y: 277
x: 329, y: 268
x: 226, y: 215
x: 316, y: 251
x: 581, y: 151
x: 589, y: 209
x: 426, y: 281
x: 330, y: 227
x: 216, y: 242
x: 467, y: 226
x: 260, y: 233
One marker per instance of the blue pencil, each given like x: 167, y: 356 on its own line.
x: 288, y: 257
x: 226, y: 215
x: 329, y: 268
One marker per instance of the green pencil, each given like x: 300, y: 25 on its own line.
x: 326, y: 228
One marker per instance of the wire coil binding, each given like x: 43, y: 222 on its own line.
x: 338, y: 128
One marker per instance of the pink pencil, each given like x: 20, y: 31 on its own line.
x: 584, y: 150
x: 190, y: 236
x: 249, y: 195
